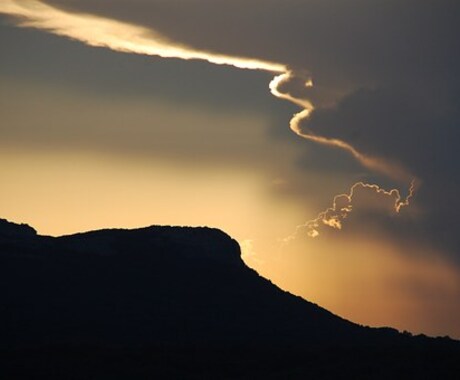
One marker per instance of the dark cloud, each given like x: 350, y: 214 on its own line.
x: 409, y: 128
x: 388, y: 124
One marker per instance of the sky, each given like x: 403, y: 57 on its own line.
x: 321, y: 134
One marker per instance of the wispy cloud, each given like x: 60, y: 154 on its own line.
x: 116, y: 35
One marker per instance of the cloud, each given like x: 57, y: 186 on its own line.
x: 367, y: 201
x: 116, y: 35
x: 414, y: 130
x: 382, y: 74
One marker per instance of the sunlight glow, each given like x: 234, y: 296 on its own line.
x: 372, y: 280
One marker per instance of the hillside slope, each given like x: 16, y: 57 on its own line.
x: 178, y: 302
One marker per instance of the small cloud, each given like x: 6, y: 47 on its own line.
x: 248, y: 254
x: 363, y: 199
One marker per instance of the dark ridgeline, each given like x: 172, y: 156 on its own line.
x: 178, y: 302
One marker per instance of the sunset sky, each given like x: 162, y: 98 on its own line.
x: 321, y: 134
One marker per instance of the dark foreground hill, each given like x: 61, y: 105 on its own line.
x: 169, y: 302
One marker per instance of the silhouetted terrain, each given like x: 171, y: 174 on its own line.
x: 170, y: 302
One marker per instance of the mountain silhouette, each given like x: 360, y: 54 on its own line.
x: 179, y: 302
